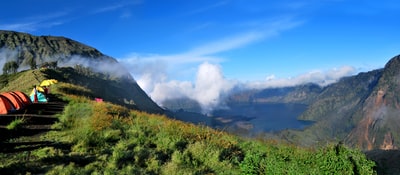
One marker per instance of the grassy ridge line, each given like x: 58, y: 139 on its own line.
x: 22, y: 81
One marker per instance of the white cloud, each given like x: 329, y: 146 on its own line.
x: 319, y: 77
x: 208, y: 89
x: 210, y: 86
x: 153, y: 71
x: 103, y: 65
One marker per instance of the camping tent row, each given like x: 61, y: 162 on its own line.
x: 13, y: 101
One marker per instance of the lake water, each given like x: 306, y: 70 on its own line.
x: 258, y: 118
x: 250, y: 119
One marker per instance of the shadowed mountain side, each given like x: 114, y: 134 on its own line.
x: 335, y: 110
x: 125, y: 92
x: 362, y: 110
x: 387, y: 161
x: 379, y: 125
x: 343, y: 97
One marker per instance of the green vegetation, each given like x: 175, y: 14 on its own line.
x: 10, y: 67
x: 15, y: 124
x: 104, y: 138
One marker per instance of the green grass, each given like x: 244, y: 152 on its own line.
x: 104, y: 138
x: 16, y: 124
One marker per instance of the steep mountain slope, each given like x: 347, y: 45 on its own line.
x: 341, y: 98
x: 379, y: 125
x: 362, y: 110
x: 31, y: 52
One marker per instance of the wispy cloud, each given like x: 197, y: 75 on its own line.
x: 39, y: 21
x: 115, y: 7
x: 24, y: 27
x: 203, y: 53
x: 320, y: 77
x: 208, y: 51
x: 209, y: 7
x: 34, y: 23
x: 108, y: 8
x: 229, y: 43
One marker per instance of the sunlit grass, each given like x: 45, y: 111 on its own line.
x: 16, y: 123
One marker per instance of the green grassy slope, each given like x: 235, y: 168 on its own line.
x: 105, y: 138
x: 125, y: 92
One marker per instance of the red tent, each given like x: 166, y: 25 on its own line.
x: 14, y: 99
x: 5, y: 105
x: 25, y: 98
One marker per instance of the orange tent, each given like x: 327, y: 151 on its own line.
x: 15, y: 100
x: 25, y: 98
x: 5, y: 105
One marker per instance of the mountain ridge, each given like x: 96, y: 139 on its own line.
x: 32, y: 52
x: 361, y: 110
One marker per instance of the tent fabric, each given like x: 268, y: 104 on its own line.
x: 41, y: 97
x: 5, y: 105
x: 25, y: 98
x: 15, y: 100
x: 38, y: 88
x: 48, y: 82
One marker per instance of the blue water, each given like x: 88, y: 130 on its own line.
x: 266, y: 117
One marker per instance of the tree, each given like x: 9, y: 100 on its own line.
x: 51, y: 65
x: 10, y: 67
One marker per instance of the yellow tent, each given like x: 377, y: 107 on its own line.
x: 38, y: 88
x: 48, y: 82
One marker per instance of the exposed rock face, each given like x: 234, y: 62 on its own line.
x: 388, y: 142
x: 379, y: 98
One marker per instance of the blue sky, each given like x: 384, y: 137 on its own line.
x: 249, y: 41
